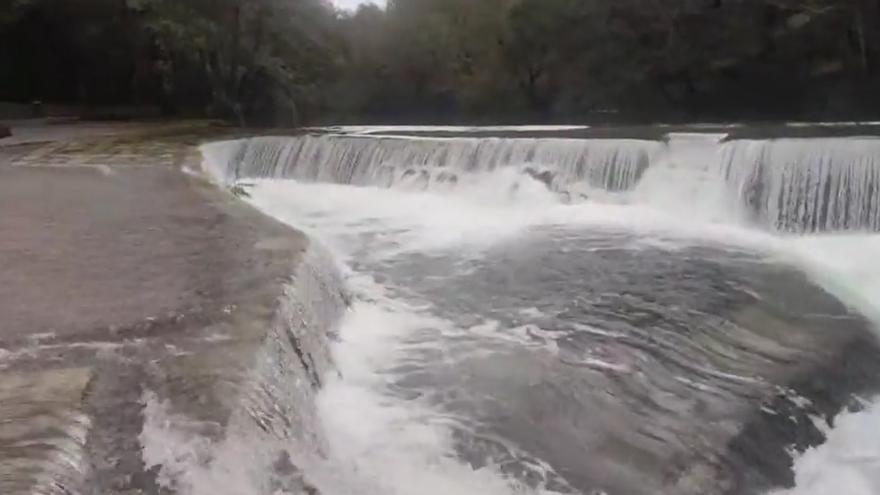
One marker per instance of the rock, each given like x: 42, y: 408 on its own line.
x: 543, y: 176
x: 5, y: 131
x: 447, y: 178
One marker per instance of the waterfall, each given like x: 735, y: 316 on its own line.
x: 806, y: 185
x: 614, y: 165
x: 684, y: 180
x: 787, y: 185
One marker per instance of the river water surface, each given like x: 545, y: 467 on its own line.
x: 590, y: 317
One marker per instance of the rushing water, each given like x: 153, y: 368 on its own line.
x: 575, y: 316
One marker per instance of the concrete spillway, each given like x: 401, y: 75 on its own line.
x: 137, y: 301
x: 486, y: 315
x: 793, y: 185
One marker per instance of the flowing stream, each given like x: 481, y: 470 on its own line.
x: 688, y: 316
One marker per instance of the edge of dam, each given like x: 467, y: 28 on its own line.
x: 126, y: 281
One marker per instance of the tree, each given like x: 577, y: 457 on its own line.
x: 286, y: 62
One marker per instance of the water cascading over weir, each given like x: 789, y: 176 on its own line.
x: 616, y: 327
x: 786, y: 185
x: 613, y: 165
x: 807, y: 185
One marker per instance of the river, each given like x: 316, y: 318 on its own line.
x: 684, y: 316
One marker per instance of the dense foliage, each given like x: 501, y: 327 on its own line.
x: 295, y: 61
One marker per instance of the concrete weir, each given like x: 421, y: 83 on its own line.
x: 140, y: 304
x: 159, y: 335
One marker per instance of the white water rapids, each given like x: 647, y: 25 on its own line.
x: 371, y: 200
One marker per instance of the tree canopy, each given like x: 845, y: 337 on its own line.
x: 302, y: 61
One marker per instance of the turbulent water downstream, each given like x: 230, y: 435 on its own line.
x: 689, y: 316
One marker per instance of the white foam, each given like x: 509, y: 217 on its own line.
x: 684, y: 182
x: 849, y: 462
x: 397, y: 221
x: 189, y: 463
x: 380, y: 444
x: 845, y: 265
x: 484, y: 213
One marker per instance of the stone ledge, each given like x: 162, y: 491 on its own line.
x: 120, y: 283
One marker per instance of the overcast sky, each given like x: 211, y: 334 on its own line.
x: 352, y: 4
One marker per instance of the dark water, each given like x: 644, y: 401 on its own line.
x: 628, y: 367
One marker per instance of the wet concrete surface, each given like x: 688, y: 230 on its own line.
x: 122, y: 274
